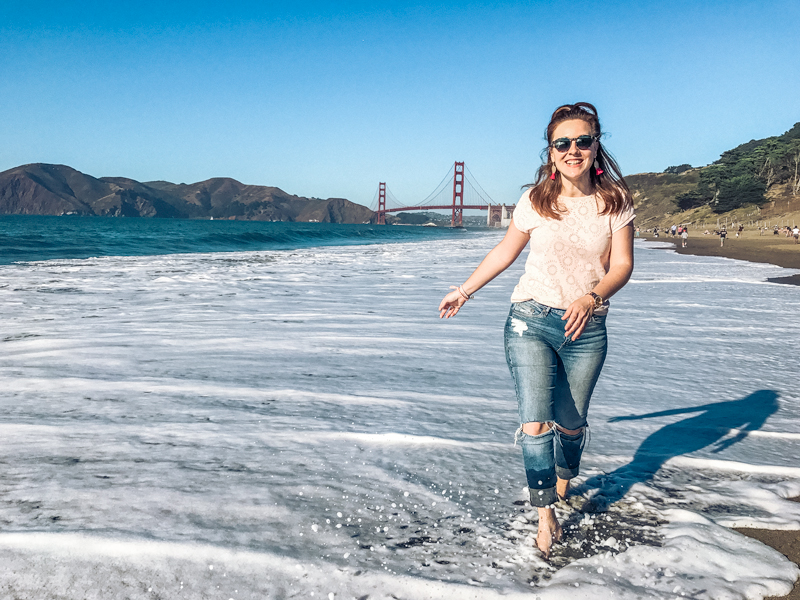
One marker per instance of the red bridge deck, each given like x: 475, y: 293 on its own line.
x: 445, y: 206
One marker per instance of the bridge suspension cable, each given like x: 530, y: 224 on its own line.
x: 443, y: 186
x: 481, y: 193
x: 392, y: 200
x: 458, y: 190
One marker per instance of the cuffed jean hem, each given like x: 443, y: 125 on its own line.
x: 543, y: 498
x: 563, y: 473
x: 569, y: 448
x: 539, y: 460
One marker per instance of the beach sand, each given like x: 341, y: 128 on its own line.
x: 785, y: 542
x: 773, y: 249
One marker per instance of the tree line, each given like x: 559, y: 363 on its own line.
x: 743, y: 175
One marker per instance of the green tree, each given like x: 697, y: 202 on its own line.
x: 691, y: 199
x: 738, y: 191
x: 678, y: 169
x: 743, y: 175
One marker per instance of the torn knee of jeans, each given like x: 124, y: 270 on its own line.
x: 519, y: 434
x: 564, y: 431
x: 582, y: 435
x: 542, y: 424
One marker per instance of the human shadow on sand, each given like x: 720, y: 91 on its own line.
x: 709, y: 427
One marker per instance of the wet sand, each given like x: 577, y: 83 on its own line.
x: 773, y: 249
x: 785, y: 542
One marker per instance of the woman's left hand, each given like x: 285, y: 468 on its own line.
x: 577, y: 316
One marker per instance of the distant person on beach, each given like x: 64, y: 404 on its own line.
x: 722, y: 235
x: 672, y: 230
x: 796, y: 233
x: 578, y: 219
x: 684, y: 237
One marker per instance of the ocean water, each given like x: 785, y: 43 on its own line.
x: 25, y: 238
x: 299, y: 423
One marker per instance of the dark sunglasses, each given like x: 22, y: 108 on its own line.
x: 583, y: 142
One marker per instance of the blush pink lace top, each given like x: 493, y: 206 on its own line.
x: 569, y: 257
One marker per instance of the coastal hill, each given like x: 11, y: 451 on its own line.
x: 44, y: 189
x: 756, y: 181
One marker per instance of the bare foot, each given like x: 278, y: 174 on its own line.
x: 562, y: 488
x: 549, y: 531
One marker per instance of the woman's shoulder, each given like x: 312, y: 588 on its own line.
x: 525, y: 198
x: 525, y: 217
x: 525, y: 203
x: 622, y: 213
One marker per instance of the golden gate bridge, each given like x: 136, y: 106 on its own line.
x: 459, y: 185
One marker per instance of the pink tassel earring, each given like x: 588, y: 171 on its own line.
x: 553, y: 174
x: 597, y: 170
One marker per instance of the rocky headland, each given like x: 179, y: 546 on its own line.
x: 45, y: 189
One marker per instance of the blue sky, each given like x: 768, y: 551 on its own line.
x: 327, y: 99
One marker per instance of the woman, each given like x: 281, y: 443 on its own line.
x: 578, y: 219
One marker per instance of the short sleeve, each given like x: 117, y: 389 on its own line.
x: 620, y: 220
x: 525, y: 218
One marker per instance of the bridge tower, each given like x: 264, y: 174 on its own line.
x: 458, y: 194
x: 381, y: 204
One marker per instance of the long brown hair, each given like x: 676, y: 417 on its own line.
x: 610, y: 186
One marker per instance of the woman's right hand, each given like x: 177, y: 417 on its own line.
x: 497, y: 261
x: 451, y: 304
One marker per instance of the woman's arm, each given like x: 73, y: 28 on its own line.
x: 662, y: 413
x: 620, y: 267
x: 498, y: 260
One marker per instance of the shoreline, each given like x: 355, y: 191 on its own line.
x: 787, y: 542
x: 750, y: 247
x: 773, y: 250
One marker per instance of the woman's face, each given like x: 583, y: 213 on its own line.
x: 573, y: 164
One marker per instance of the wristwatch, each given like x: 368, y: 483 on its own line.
x: 598, y: 300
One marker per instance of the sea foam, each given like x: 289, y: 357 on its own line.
x: 167, y: 413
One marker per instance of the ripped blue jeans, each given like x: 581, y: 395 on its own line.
x: 554, y: 378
